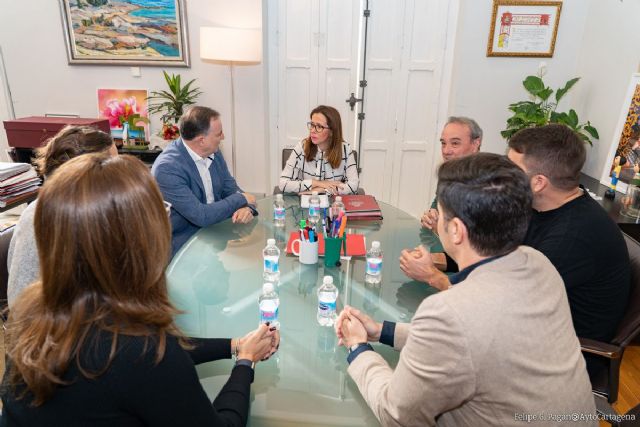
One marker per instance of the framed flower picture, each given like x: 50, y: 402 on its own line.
x: 125, y: 107
x: 126, y: 32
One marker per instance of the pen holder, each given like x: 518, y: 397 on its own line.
x: 332, y: 247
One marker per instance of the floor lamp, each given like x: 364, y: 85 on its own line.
x: 232, y: 45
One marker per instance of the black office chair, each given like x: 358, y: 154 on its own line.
x: 286, y: 153
x: 607, y: 383
x: 605, y: 410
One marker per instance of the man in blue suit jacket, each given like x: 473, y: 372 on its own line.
x: 194, y: 178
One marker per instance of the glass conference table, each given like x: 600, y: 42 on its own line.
x: 216, y: 279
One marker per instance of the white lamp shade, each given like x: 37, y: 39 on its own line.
x: 231, y: 44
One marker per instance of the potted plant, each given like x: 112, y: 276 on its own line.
x: 541, y: 110
x: 170, y: 103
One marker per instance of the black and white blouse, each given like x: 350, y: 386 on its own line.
x: 298, y: 173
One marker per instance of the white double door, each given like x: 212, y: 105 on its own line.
x: 317, y: 51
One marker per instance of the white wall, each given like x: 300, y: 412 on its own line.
x: 597, y: 41
x: 483, y: 87
x: 42, y: 82
x: 609, y: 54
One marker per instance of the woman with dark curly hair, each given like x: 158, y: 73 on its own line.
x: 70, y: 142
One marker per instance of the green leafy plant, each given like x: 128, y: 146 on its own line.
x: 170, y: 103
x: 541, y: 110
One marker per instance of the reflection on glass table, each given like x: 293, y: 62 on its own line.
x: 216, y: 279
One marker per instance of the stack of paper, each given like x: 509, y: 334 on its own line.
x: 304, y: 200
x: 17, y: 181
x: 7, y: 170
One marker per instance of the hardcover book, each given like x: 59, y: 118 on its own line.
x: 362, y: 207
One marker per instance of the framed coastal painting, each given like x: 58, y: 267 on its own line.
x: 126, y: 32
x: 523, y: 28
x: 624, y: 152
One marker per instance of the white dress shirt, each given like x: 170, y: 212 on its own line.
x: 203, y: 164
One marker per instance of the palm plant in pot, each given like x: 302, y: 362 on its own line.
x: 171, y: 103
x: 540, y: 110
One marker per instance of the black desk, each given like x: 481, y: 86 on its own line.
x: 147, y: 156
x: 26, y: 155
x: 612, y: 207
x: 628, y: 225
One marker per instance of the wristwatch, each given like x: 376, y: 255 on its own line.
x: 246, y: 362
x: 356, y: 346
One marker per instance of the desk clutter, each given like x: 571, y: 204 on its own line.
x: 18, y: 181
x: 355, y: 244
x: 361, y: 207
x: 322, y: 233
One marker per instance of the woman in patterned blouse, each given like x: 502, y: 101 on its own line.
x: 322, y: 161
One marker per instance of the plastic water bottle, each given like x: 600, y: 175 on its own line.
x: 373, y: 273
x: 336, y: 207
x: 271, y: 256
x: 327, y: 297
x: 314, y: 208
x: 269, y: 302
x: 278, y: 211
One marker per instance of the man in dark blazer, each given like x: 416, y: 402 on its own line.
x: 193, y: 177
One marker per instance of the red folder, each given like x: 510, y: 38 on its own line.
x: 355, y: 244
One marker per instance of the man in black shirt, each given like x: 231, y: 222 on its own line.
x: 573, y: 230
x: 570, y: 228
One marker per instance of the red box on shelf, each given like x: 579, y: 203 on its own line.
x: 32, y: 132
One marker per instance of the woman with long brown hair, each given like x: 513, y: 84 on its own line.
x: 93, y: 342
x: 70, y: 142
x: 323, y: 161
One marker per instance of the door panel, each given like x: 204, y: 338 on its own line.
x: 320, y: 52
x: 299, y: 30
x: 418, y: 84
x: 295, y: 107
x: 298, y: 66
x: 338, y: 59
x: 378, y: 134
x: 382, y: 73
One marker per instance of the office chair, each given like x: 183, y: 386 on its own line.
x: 630, y: 419
x: 5, y: 240
x: 286, y: 153
x: 607, y: 383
